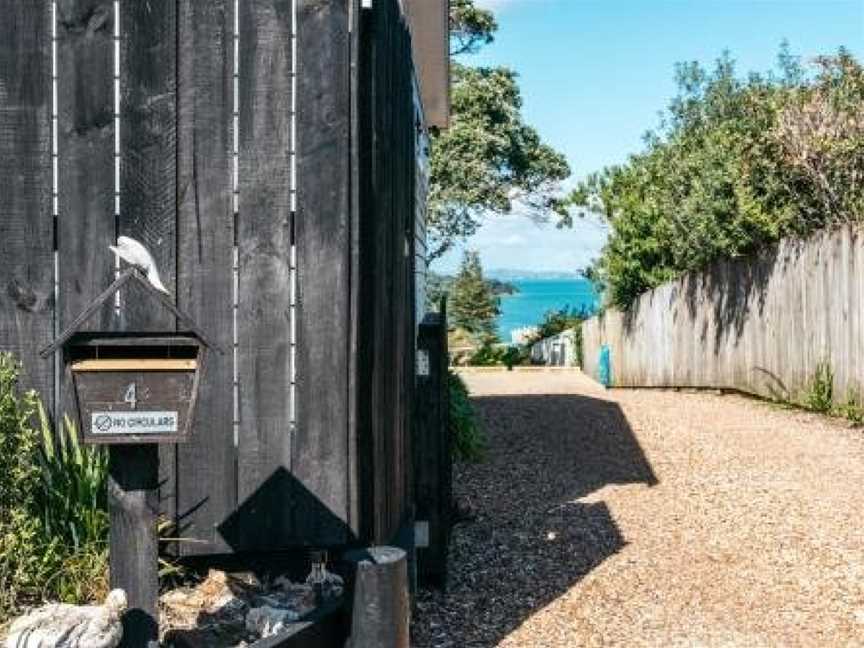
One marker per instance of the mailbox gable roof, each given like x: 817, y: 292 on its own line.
x: 162, y: 300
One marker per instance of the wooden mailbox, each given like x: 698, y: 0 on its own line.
x: 133, y: 389
x: 138, y: 389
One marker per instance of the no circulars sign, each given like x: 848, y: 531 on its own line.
x: 133, y: 422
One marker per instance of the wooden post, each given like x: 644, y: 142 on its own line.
x: 133, y: 500
x: 379, y: 604
x: 433, y: 465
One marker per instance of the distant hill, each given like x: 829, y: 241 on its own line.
x: 509, y: 274
x: 500, y: 287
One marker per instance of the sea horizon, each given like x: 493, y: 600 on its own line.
x: 536, y: 297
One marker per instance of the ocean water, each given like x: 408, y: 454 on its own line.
x: 538, y: 296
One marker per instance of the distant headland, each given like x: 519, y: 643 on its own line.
x: 510, y: 274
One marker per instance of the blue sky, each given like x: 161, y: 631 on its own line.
x: 595, y: 74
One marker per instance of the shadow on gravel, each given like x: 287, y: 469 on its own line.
x: 532, y: 539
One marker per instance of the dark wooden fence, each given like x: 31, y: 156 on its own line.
x: 277, y: 196
x: 433, y: 459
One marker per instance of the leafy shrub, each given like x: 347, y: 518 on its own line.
x: 820, y: 393
x: 558, y: 321
x: 20, y: 566
x: 53, y: 520
x: 491, y: 355
x: 469, y: 442
x: 819, y: 397
x: 73, y: 494
x: 736, y: 164
x: 852, y: 409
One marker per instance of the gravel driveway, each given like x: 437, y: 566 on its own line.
x: 651, y: 518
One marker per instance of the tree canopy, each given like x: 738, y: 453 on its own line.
x: 470, y: 27
x: 489, y: 161
x: 473, y: 306
x: 735, y: 165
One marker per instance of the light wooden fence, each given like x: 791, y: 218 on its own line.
x: 761, y: 325
x: 560, y: 350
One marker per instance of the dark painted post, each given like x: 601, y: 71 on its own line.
x: 432, y: 452
x: 380, y: 602
x: 133, y: 500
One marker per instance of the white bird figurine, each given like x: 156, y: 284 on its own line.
x: 134, y: 253
x: 60, y: 625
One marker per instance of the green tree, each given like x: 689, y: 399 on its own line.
x: 473, y: 306
x: 736, y: 164
x: 470, y: 27
x: 489, y: 161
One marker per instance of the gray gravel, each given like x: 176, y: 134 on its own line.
x: 651, y: 518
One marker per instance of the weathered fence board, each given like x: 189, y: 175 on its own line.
x: 761, y: 324
x: 26, y: 223
x: 148, y: 140
x: 388, y: 208
x: 264, y: 242
x: 86, y: 224
x: 148, y: 173
x: 85, y: 95
x: 355, y: 349
x: 323, y: 263
x: 205, y: 237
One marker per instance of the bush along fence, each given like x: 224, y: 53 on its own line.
x: 769, y: 325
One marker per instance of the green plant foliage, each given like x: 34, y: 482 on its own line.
x: 735, y: 165
x: 439, y: 286
x: 472, y: 304
x: 470, y: 27
x: 20, y: 566
x: 72, y: 497
x: 488, y: 161
x: 852, y: 410
x: 53, y: 521
x: 495, y: 355
x: 820, y: 397
x: 558, y: 321
x: 469, y: 442
x: 820, y: 393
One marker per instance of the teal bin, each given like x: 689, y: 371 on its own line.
x: 604, y: 366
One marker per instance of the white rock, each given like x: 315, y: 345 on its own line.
x: 60, y: 625
x: 267, y: 621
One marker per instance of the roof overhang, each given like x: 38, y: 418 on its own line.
x: 430, y: 35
